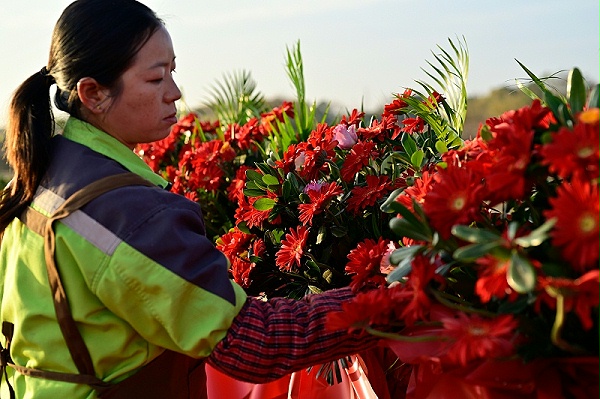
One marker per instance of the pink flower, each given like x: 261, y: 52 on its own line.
x: 345, y: 136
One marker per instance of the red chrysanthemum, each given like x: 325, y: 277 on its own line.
x: 363, y: 197
x: 576, y: 207
x: 312, y: 155
x: 235, y: 190
x: 380, y: 130
x: 359, y: 156
x: 581, y: 295
x: 413, y: 125
x: 364, y: 261
x: 292, y: 249
x: 246, y: 212
x: 574, y: 152
x: 396, y: 107
x: 354, y: 118
x: 374, y: 307
x: 454, y: 198
x: 237, y: 245
x: 418, y: 303
x: 492, y: 281
x: 417, y: 191
x: 477, y: 338
x: 267, y: 119
x: 319, y: 198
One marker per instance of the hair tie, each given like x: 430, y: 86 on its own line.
x: 49, y: 78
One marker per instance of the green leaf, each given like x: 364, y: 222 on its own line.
x: 390, y: 201
x: 256, y: 185
x: 409, y: 144
x: 416, y: 159
x: 339, y: 232
x: 264, y: 204
x: 521, y: 275
x: 474, y: 235
x: 576, y: 92
x: 404, y: 252
x: 401, y: 271
x: 441, y: 147
x: 249, y: 192
x: 252, y: 175
x: 594, y: 97
x: 270, y: 180
x: 470, y: 252
x: 403, y: 228
x: 537, y: 236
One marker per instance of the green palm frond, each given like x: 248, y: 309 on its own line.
x: 235, y: 99
x: 305, y: 118
x: 450, y: 75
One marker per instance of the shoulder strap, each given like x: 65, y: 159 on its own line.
x: 77, y: 348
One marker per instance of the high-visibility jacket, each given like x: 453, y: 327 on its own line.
x: 128, y: 260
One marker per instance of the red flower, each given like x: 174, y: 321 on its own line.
x: 319, y: 196
x: 235, y: 190
x: 366, y: 309
x: 236, y: 246
x: 454, y: 198
x: 311, y: 155
x: 364, y: 263
x: 363, y: 197
x: 581, y: 296
x: 478, y: 338
x: 418, y: 302
x: 413, y: 125
x: 379, y: 131
x: 417, y: 191
x: 246, y: 212
x: 396, y: 107
x: 267, y: 119
x: 492, y: 282
x: 292, y: 249
x: 576, y: 207
x: 574, y: 152
x: 354, y: 118
x: 359, y: 156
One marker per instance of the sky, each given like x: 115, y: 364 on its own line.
x: 355, y: 52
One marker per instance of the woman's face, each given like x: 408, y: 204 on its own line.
x: 144, y: 109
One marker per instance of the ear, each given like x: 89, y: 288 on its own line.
x: 93, y: 95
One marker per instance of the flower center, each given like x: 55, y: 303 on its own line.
x: 587, y: 224
x: 585, y: 152
x: 477, y: 331
x: 458, y: 203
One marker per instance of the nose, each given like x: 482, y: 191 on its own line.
x: 173, y: 93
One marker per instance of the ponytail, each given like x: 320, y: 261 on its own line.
x: 27, y: 144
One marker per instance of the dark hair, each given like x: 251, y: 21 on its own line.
x: 92, y: 38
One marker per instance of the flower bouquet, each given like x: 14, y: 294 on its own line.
x: 295, y: 202
x: 494, y: 281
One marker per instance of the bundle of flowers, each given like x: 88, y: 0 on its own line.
x: 304, y: 220
x: 294, y: 202
x: 497, y: 258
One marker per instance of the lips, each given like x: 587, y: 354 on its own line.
x: 172, y: 119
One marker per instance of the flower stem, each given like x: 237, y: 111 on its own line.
x: 404, y: 338
x: 558, y: 325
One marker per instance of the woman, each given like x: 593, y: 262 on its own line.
x: 106, y: 277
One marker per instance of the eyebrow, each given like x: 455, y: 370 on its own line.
x: 162, y: 64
